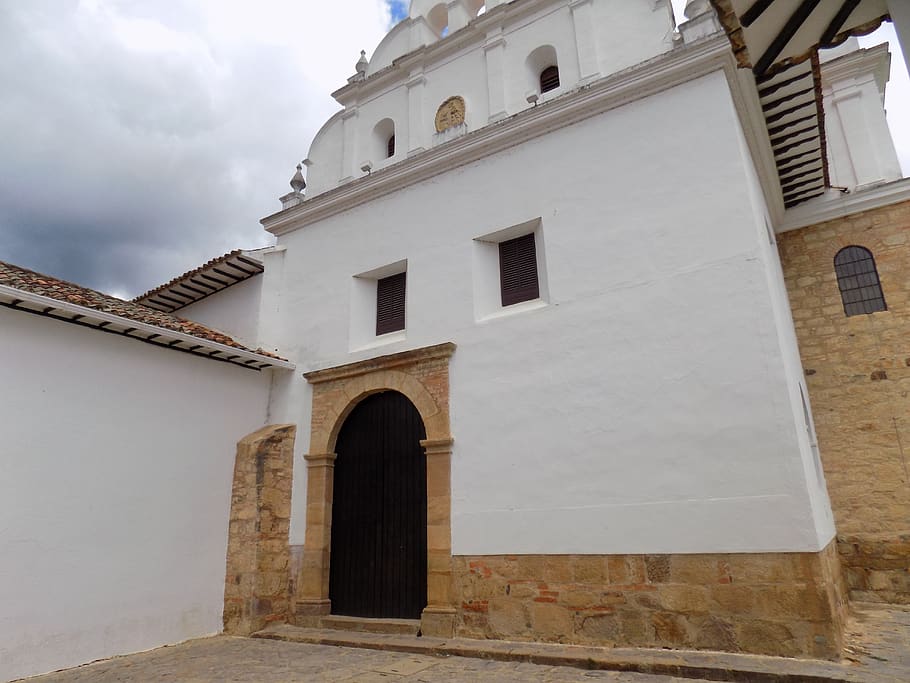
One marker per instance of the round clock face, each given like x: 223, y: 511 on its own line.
x: 450, y: 114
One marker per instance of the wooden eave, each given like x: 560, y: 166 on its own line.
x: 195, y: 285
x: 48, y: 307
x: 778, y: 40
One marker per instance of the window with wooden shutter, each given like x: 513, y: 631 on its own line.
x: 857, y: 278
x: 390, y: 298
x: 549, y: 79
x: 518, y: 270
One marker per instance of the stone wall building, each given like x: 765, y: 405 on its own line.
x: 858, y: 373
x: 592, y: 336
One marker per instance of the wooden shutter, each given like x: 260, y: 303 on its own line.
x: 390, y: 293
x: 518, y: 270
x: 390, y: 147
x: 549, y: 79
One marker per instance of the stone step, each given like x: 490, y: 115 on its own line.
x: 702, y: 666
x: 398, y: 627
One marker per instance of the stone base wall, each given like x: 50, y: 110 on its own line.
x: 787, y: 604
x: 857, y: 371
x: 877, y: 567
x: 256, y: 584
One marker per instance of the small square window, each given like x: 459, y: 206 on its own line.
x: 518, y: 270
x: 390, y: 303
x: 510, y: 271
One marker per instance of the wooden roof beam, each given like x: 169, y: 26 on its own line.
x: 754, y: 12
x: 786, y: 34
x: 834, y: 27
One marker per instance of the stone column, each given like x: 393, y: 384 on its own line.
x: 349, y: 120
x: 860, y: 147
x: 459, y: 16
x: 415, y: 85
x: 258, y: 555
x: 313, y: 581
x: 494, y: 51
x: 585, y: 39
x: 438, y: 619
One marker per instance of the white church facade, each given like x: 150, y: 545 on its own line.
x: 531, y: 359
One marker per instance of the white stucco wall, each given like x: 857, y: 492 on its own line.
x: 116, y: 468
x: 647, y: 405
x: 234, y: 311
x: 812, y: 471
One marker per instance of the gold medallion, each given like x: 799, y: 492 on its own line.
x: 450, y: 114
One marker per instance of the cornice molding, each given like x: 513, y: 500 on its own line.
x: 874, y: 61
x: 832, y: 207
x: 363, y: 367
x: 673, y: 68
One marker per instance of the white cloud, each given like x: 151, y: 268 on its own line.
x: 150, y: 137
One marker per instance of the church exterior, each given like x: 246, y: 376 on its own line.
x: 542, y: 326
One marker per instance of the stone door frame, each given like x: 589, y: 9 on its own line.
x: 422, y: 376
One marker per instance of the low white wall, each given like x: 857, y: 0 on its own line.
x: 116, y: 464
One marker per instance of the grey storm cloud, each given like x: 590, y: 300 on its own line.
x: 122, y: 167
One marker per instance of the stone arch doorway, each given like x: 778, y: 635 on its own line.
x: 379, y: 511
x: 422, y: 375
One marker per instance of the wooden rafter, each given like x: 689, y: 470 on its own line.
x: 837, y: 22
x: 785, y: 35
x: 755, y: 11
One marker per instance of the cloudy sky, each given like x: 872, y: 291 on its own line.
x: 143, y: 137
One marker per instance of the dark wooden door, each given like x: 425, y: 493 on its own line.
x: 379, y: 513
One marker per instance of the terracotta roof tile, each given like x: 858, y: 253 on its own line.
x: 44, y: 285
x: 245, y: 263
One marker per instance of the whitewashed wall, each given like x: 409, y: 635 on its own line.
x: 648, y: 406
x: 116, y: 465
x: 234, y: 311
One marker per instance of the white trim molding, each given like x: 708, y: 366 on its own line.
x: 837, y: 205
x: 643, y: 80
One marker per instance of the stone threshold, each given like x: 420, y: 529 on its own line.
x: 706, y: 666
x: 401, y: 627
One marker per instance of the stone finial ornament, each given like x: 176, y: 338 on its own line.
x: 362, y: 64
x: 298, y: 184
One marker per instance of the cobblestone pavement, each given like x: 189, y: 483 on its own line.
x: 877, y: 648
x: 214, y: 660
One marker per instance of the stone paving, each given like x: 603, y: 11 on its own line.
x: 877, y: 651
x: 244, y: 660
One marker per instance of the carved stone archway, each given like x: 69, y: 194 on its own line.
x: 423, y: 376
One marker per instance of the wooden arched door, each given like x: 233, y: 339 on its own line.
x: 378, y: 565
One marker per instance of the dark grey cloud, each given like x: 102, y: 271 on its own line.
x: 139, y: 139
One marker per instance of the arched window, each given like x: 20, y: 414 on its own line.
x: 382, y: 146
x: 476, y: 7
x: 438, y: 19
x: 857, y: 278
x: 542, y: 69
x: 549, y: 79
